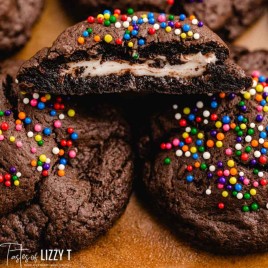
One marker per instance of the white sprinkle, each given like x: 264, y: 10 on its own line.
x: 145, y: 20
x: 252, y: 92
x: 252, y: 125
x: 248, y: 138
x: 208, y: 192
x: 175, y: 106
x: 61, y: 116
x: 178, y: 116
x: 30, y: 134
x: 257, y: 154
x: 26, y: 100
x: 196, y: 36
x: 267, y: 205
x: 16, y: 81
x: 241, y: 173
x: 179, y: 153
x: 260, y: 174
x: 238, y: 146
x: 260, y: 128
x: 48, y: 160
x: 125, y: 24
x: 117, y: 25
x: 261, y: 141
x: 61, y: 167
x: 205, y: 122
x: 177, y: 32
x: 254, y: 83
x: 156, y: 26
x: 39, y: 168
x: 265, y: 89
x: 239, y: 196
x: 18, y: 174
x: 212, y: 168
x: 206, y: 155
x: 200, y: 104
x: 187, y: 154
x: 206, y: 113
x: 134, y: 18
x: 129, y: 19
x: 35, y: 95
x: 55, y: 150
x: 194, y: 21
x: 188, y: 129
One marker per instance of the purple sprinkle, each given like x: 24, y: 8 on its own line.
x: 46, y: 166
x: 13, y: 170
x: 220, y: 164
x: 222, y: 180
x: 200, y: 24
x: 239, y: 139
x: 7, y: 113
x: 229, y: 187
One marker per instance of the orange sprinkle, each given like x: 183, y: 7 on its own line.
x: 22, y: 115
x: 265, y: 144
x: 233, y: 171
x: 210, y: 143
x: 185, y: 148
x: 33, y: 163
x: 258, y: 97
x: 18, y: 122
x: 81, y: 40
x: 61, y: 152
x: 220, y: 136
x: 97, y: 38
x: 61, y: 173
x: 43, y: 99
x: 192, y: 17
x: 130, y: 28
x: 197, y: 164
x: 232, y: 125
x: 254, y: 143
x: 222, y: 95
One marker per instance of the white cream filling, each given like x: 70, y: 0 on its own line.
x: 193, y: 65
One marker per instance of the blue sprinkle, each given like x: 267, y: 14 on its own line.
x: 263, y: 102
x: 63, y: 161
x: 195, y: 156
x: 150, y: 15
x: 238, y: 187
x: 189, y: 178
x: 107, y: 11
x: 53, y: 113
x: 191, y: 117
x: 214, y: 104
x: 134, y: 32
x: 226, y: 119
x: 74, y: 136
x: 140, y: 21
x: 47, y: 131
x: 163, y: 25
x: 141, y: 42
x: 126, y: 36
x: 27, y: 120
x: 181, y: 144
x: 182, y: 17
x: 263, y: 135
x: 186, y: 27
x: 263, y: 151
x: 240, y: 118
x: 151, y: 21
x: 262, y: 78
x: 85, y: 34
x: 41, y: 106
x: 199, y: 142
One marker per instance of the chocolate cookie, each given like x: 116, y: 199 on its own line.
x: 16, y: 21
x: 228, y: 18
x: 66, y: 170
x: 136, y: 53
x: 206, y: 164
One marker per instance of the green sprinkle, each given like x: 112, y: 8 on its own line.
x: 130, y: 11
x: 40, y: 143
x: 112, y: 19
x: 201, y: 149
x: 39, y: 163
x: 1, y: 113
x: 245, y: 209
x: 194, y: 131
x: 234, y: 193
x: 247, y: 149
x: 171, y: 17
x: 167, y: 161
x: 107, y: 23
x: 238, y: 153
x: 251, y: 131
x: 247, y: 196
x: 254, y: 206
x: 203, y: 166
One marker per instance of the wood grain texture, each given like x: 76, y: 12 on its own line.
x: 139, y: 238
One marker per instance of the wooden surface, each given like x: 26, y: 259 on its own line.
x: 139, y: 239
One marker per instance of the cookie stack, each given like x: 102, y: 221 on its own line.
x: 67, y: 171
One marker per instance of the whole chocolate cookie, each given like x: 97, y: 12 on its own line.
x: 229, y: 18
x: 66, y: 171
x: 16, y: 21
x: 206, y: 164
x: 140, y: 53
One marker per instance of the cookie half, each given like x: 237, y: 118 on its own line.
x: 206, y: 164
x: 16, y: 21
x: 66, y: 174
x: 140, y: 53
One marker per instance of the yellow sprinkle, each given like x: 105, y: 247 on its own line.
x: 71, y: 113
x: 247, y: 95
x: 43, y: 158
x: 253, y: 192
x: 265, y: 109
x: 233, y: 180
x: 219, y: 144
x: 144, y: 16
x: 190, y: 33
x: 200, y: 135
x: 38, y: 138
x: 230, y: 163
x: 106, y: 16
x: 12, y: 138
x: 108, y: 38
x: 186, y: 110
x: 183, y: 35
x: 130, y: 44
x: 16, y: 182
x: 48, y: 97
x: 100, y: 16
x: 185, y: 135
x: 193, y: 150
x: 81, y: 40
x: 259, y: 88
x: 168, y: 29
x: 218, y: 124
x: 1, y: 132
x: 243, y: 126
x: 224, y: 193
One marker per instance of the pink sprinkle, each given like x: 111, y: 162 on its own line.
x: 161, y: 18
x: 226, y: 172
x: 19, y: 144
x: 37, y: 127
x: 19, y: 127
x: 33, y: 102
x: 2, y: 137
x: 246, y: 181
x: 168, y: 145
x: 259, y: 108
x: 226, y: 127
x: 72, y: 154
x: 256, y: 73
x: 228, y: 151
x: 255, y: 184
x: 33, y: 150
x: 176, y: 142
x: 57, y: 124
x: 220, y: 186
